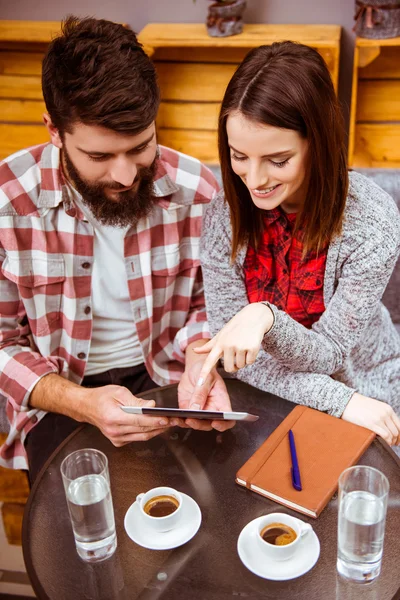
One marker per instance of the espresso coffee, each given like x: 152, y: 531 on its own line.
x: 161, y: 506
x: 278, y: 534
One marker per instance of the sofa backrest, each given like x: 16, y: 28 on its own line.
x: 389, y: 180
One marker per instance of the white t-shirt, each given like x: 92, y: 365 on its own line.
x: 114, y: 342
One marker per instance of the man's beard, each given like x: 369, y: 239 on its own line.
x: 131, y: 206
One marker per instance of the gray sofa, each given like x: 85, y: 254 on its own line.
x: 389, y: 180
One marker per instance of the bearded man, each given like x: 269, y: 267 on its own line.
x: 101, y: 293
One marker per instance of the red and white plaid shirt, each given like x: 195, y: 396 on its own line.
x: 46, y: 257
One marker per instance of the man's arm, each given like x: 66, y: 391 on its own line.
x: 98, y: 406
x: 56, y: 394
x: 20, y: 369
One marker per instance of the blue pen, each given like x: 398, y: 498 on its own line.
x: 295, y: 471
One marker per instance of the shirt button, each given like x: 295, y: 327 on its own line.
x: 86, y: 265
x: 318, y: 282
x: 284, y: 271
x: 81, y: 355
x: 34, y: 419
x: 87, y: 310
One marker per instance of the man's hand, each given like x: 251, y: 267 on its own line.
x: 103, y: 411
x: 100, y: 407
x: 375, y: 415
x: 212, y: 395
x: 239, y: 341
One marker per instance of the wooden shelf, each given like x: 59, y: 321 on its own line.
x: 194, y: 70
x: 27, y: 32
x: 374, y: 139
x: 184, y: 35
x: 365, y: 42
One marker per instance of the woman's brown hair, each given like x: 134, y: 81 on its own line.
x: 288, y: 85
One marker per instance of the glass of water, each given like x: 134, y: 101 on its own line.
x: 363, y: 498
x: 87, y: 488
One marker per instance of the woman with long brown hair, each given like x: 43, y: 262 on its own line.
x: 296, y: 251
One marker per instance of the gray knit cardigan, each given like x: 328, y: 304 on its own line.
x: 354, y: 346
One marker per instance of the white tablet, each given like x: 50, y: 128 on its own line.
x: 181, y: 413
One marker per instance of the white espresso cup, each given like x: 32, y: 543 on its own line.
x: 160, y: 524
x: 281, y: 552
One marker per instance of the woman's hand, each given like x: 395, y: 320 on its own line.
x: 213, y: 395
x: 239, y: 341
x: 375, y: 415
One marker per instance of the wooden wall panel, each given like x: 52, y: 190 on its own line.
x: 227, y: 55
x: 12, y: 515
x: 377, y: 145
x: 378, y: 100
x: 24, y: 111
x: 20, y: 63
x: 385, y: 66
x: 14, y: 485
x: 16, y: 137
x: 188, y: 115
x: 201, y: 144
x: 194, y: 81
x: 20, y: 86
x: 21, y: 101
x: 374, y: 139
x: 203, y: 55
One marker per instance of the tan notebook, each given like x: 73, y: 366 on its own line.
x: 325, y: 446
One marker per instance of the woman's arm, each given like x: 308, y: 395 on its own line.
x: 323, y: 393
x: 226, y: 296
x: 369, y: 248
x: 363, y: 280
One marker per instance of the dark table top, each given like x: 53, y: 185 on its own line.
x: 203, y: 465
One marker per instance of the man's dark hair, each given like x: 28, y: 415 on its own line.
x: 97, y: 73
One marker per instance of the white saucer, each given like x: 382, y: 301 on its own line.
x: 188, y: 526
x: 305, y: 558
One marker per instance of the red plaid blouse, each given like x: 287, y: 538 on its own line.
x: 276, y: 272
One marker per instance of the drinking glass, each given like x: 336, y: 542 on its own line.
x: 87, y: 488
x: 363, y: 497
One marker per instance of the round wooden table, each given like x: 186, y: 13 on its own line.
x: 203, y: 465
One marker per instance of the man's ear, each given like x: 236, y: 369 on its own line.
x: 53, y: 131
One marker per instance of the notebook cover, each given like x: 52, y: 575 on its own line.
x: 325, y: 446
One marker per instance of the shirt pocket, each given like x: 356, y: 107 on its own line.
x: 165, y: 263
x: 174, y: 273
x: 171, y: 261
x: 40, y: 285
x: 309, y: 285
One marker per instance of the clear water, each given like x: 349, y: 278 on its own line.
x: 360, y: 535
x: 92, y: 516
